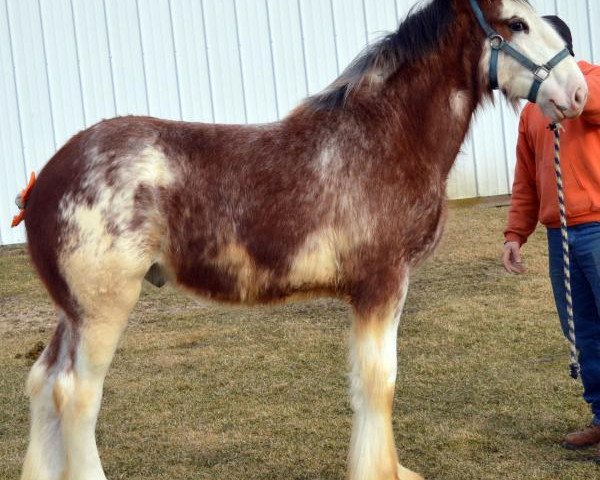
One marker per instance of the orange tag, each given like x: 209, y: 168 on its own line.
x: 18, y: 219
x: 23, y: 200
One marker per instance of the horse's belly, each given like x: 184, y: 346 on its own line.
x: 234, y: 275
x: 228, y: 275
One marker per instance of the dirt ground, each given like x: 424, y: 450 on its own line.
x: 202, y: 391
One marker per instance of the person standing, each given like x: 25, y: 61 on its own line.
x: 534, y: 198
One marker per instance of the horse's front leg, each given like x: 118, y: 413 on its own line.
x: 373, y: 360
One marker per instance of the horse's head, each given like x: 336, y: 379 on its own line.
x: 529, y: 57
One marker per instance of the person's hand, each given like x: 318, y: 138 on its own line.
x: 511, y: 258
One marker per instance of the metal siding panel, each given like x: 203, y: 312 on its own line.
x: 224, y: 60
x: 94, y: 61
x: 511, y: 135
x: 127, y: 57
x: 319, y: 44
x: 351, y: 35
x: 593, y: 25
x: 288, y: 53
x: 462, y: 180
x: 255, y: 52
x: 32, y: 83
x: 12, y: 167
x: 381, y: 18
x: 63, y: 69
x: 192, y: 61
x: 159, y: 59
x: 489, y: 147
x: 510, y: 120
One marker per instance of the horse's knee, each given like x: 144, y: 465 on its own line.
x: 50, y: 384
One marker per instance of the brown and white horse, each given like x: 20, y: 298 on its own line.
x: 343, y: 197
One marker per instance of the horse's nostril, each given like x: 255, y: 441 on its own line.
x: 579, y: 98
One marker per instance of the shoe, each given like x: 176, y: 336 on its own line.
x: 587, y: 437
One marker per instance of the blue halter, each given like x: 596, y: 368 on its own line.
x: 497, y: 43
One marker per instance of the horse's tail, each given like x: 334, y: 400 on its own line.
x: 21, y: 201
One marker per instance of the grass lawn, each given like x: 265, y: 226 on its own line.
x: 201, y: 391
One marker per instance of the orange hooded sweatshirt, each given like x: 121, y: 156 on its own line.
x: 534, y: 194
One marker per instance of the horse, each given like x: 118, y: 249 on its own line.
x: 343, y: 197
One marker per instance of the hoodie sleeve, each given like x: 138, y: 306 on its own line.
x: 524, y: 204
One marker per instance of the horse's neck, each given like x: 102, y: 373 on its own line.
x: 432, y: 106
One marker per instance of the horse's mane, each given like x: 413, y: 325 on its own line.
x: 417, y: 34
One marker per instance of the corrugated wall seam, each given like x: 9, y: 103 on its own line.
x: 503, y: 121
x: 476, y: 173
x: 175, y: 63
x: 366, y: 25
x: 303, y: 46
x: 591, y: 30
x: 110, y: 57
x: 14, y: 74
x: 47, y: 76
x: 239, y: 52
x: 141, y: 40
x: 335, y: 40
x: 75, y: 39
x: 273, y: 74
x: 208, y: 69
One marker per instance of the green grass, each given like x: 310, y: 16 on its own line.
x: 208, y: 392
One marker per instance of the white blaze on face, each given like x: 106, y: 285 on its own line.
x: 540, y: 43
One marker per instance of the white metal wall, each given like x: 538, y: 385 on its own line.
x: 65, y: 64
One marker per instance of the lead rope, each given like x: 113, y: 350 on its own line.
x: 574, y: 364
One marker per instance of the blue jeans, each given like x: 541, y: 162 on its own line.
x: 584, y: 247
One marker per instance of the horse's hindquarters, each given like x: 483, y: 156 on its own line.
x: 93, y: 233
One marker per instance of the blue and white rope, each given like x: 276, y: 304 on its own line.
x: 574, y: 364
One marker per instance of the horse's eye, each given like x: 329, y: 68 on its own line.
x: 518, y: 26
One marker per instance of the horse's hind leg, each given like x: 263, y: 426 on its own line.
x: 65, y: 385
x: 46, y: 457
x: 373, y: 361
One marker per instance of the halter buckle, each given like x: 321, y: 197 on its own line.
x: 541, y: 73
x: 496, y: 41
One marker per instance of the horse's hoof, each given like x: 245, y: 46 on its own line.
x: 406, y: 474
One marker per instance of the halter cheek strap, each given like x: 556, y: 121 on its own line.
x: 497, y: 44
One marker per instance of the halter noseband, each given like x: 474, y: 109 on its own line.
x: 497, y: 43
